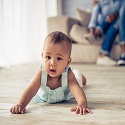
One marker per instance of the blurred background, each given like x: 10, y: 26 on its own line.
x: 23, y: 27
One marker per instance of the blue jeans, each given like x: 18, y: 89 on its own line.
x: 101, y: 10
x: 110, y: 30
x: 122, y: 24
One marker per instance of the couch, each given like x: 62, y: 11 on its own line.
x: 82, y: 50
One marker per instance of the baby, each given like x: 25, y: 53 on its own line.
x: 55, y: 81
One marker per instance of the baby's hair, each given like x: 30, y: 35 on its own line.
x: 58, y: 37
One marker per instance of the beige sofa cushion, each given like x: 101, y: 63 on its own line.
x: 77, y: 34
x: 83, y: 16
x: 89, y: 53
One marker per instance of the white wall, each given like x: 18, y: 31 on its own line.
x: 69, y: 6
x: 54, y: 7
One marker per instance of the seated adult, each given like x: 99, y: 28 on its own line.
x: 104, y: 21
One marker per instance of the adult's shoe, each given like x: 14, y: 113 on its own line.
x: 121, y: 61
x: 90, y: 37
x: 105, y: 61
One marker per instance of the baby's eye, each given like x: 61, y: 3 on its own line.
x: 59, y: 58
x: 48, y: 57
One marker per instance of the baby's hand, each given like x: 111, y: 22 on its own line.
x: 81, y: 109
x: 18, y: 109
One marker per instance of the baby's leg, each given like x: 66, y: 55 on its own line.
x: 80, y: 77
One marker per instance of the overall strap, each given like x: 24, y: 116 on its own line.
x: 44, y: 76
x: 64, y: 78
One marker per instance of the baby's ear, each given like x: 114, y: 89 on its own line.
x: 69, y: 61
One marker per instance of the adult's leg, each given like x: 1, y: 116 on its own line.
x: 122, y: 34
x: 122, y: 24
x: 107, y: 44
x: 102, y: 28
x: 109, y: 38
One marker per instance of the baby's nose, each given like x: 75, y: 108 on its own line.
x: 53, y: 63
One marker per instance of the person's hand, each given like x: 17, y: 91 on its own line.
x: 97, y: 33
x: 18, y: 109
x: 91, y: 30
x: 95, y: 2
x: 81, y: 109
x: 110, y: 18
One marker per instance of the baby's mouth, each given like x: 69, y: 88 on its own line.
x: 52, y: 70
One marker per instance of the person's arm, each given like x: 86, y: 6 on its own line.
x: 79, y: 95
x: 94, y: 17
x: 28, y: 94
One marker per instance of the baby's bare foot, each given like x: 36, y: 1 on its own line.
x: 83, y: 80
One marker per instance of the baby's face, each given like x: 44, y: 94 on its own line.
x: 55, y: 58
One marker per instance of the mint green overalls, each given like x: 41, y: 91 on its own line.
x: 45, y: 94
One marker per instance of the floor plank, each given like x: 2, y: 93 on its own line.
x: 105, y: 92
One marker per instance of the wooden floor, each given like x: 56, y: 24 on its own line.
x: 105, y: 92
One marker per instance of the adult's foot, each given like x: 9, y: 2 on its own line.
x: 90, y: 37
x: 105, y: 61
x: 121, y: 61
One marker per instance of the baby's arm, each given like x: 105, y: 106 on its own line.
x: 79, y: 95
x: 28, y: 94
